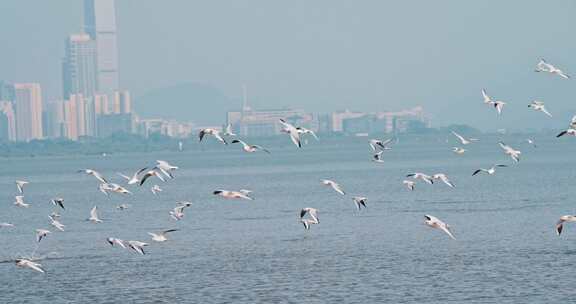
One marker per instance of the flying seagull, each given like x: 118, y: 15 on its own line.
x: 94, y: 215
x: 377, y: 144
x: 490, y: 171
x: 539, y: 106
x: 149, y: 174
x: 54, y: 222
x: 496, y: 103
x: 334, y: 186
x: 571, y: 130
x: 293, y: 131
x: 29, y: 264
x: 458, y: 150
x: 94, y: 173
x: 20, y: 201
x: 417, y: 175
x: 161, y: 236
x: 20, y: 185
x: 409, y: 184
x: 166, y: 168
x: 137, y: 246
x: 178, y: 212
x: 228, y: 131
x: 250, y: 148
x: 463, y: 140
x: 434, y: 222
x: 134, y: 179
x: 544, y: 66
x: 515, y: 154
x: 377, y: 157
x: 115, y: 241
x: 59, y: 202
x: 213, y: 132
x: 309, y: 221
x: 41, y: 233
x: 560, y: 223
x: 360, y: 201
x: 443, y: 178
x: 232, y: 194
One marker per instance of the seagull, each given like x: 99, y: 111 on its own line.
x: 377, y: 144
x: 232, y: 194
x: 20, y: 201
x: 531, y: 141
x: 250, y: 148
x: 161, y: 236
x: 293, y: 131
x: 313, y: 212
x: 59, y: 202
x: 122, y: 206
x: 29, y: 264
x: 458, y: 150
x: 438, y: 224
x: 20, y: 185
x: 178, y: 212
x: 302, y: 130
x: 539, y: 106
x: 228, y: 131
x: 463, y: 140
x: 409, y: 184
x: 213, y: 132
x: 105, y: 188
x: 564, y: 218
x: 570, y: 131
x: 54, y: 222
x: 6, y: 225
x: 94, y: 173
x: 544, y: 66
x: 497, y: 104
x: 377, y: 157
x: 443, y: 178
x: 490, y: 171
x: 166, y: 168
x: 156, y: 189
x: 94, y: 215
x: 134, y: 178
x: 151, y: 173
x: 359, y: 201
x: 515, y: 154
x: 41, y: 233
x: 137, y: 246
x: 334, y: 186
x: 422, y: 176
x: 114, y: 241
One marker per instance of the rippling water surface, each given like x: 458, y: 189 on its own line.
x: 257, y: 252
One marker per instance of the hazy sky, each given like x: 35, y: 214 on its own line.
x: 324, y: 55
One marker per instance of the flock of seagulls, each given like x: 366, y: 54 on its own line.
x: 308, y: 216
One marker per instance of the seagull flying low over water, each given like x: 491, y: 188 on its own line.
x: 434, y: 222
x: 166, y: 168
x: 54, y: 222
x: 6, y: 225
x: 560, y: 223
x: 137, y: 246
x: 161, y: 236
x: 417, y: 175
x: 443, y: 178
x: 29, y: 264
x: 115, y: 241
x: 178, y: 212
x: 149, y: 174
x: 490, y: 171
x: 213, y: 132
x: 20, y: 185
x: 20, y: 201
x: 334, y: 186
x: 41, y: 233
x: 292, y: 131
x: 59, y: 202
x: 134, y: 179
x: 539, y: 106
x: 409, y: 184
x: 304, y: 131
x: 458, y: 150
x: 360, y: 201
x: 381, y: 145
x: 250, y: 148
x: 242, y: 194
x: 463, y: 140
x: 377, y: 157
x: 571, y: 130
x: 496, y: 103
x: 307, y: 222
x: 94, y: 173
x: 94, y: 215
x: 111, y: 187
x: 228, y: 131
x: 544, y: 66
x: 515, y: 154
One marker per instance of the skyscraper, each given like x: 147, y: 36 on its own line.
x: 100, y: 24
x: 122, y: 103
x: 28, y: 108
x: 7, y: 121
x: 79, y: 67
x: 55, y: 124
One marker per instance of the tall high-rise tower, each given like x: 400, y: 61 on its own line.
x: 79, y: 68
x: 28, y: 104
x: 100, y: 24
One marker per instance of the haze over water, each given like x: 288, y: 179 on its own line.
x: 257, y: 252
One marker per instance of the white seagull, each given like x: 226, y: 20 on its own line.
x: 304, y: 131
x: 134, y: 179
x: 463, y: 140
x: 20, y: 185
x: 434, y: 222
x: 178, y: 212
x: 161, y: 236
x: 6, y: 225
x: 560, y: 223
x: 490, y: 171
x: 496, y: 103
x: 115, y: 241
x: 334, y: 186
x: 313, y: 212
x: 137, y: 246
x: 250, y: 148
x: 94, y: 173
x: 54, y: 222
x: 571, y: 130
x: 515, y: 154
x: 94, y: 215
x: 149, y: 174
x: 111, y: 187
x: 58, y: 202
x: 293, y: 131
x: 213, y: 132
x: 29, y: 264
x: 443, y: 178
x: 382, y: 145
x: 228, y: 131
x: 458, y: 150
x: 417, y: 175
x: 41, y: 233
x: 360, y: 201
x: 409, y: 184
x: 539, y: 106
x: 377, y: 157
x: 544, y: 66
x: 20, y: 201
x: 232, y: 194
x: 166, y: 168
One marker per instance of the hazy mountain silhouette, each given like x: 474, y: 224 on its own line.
x: 194, y: 102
